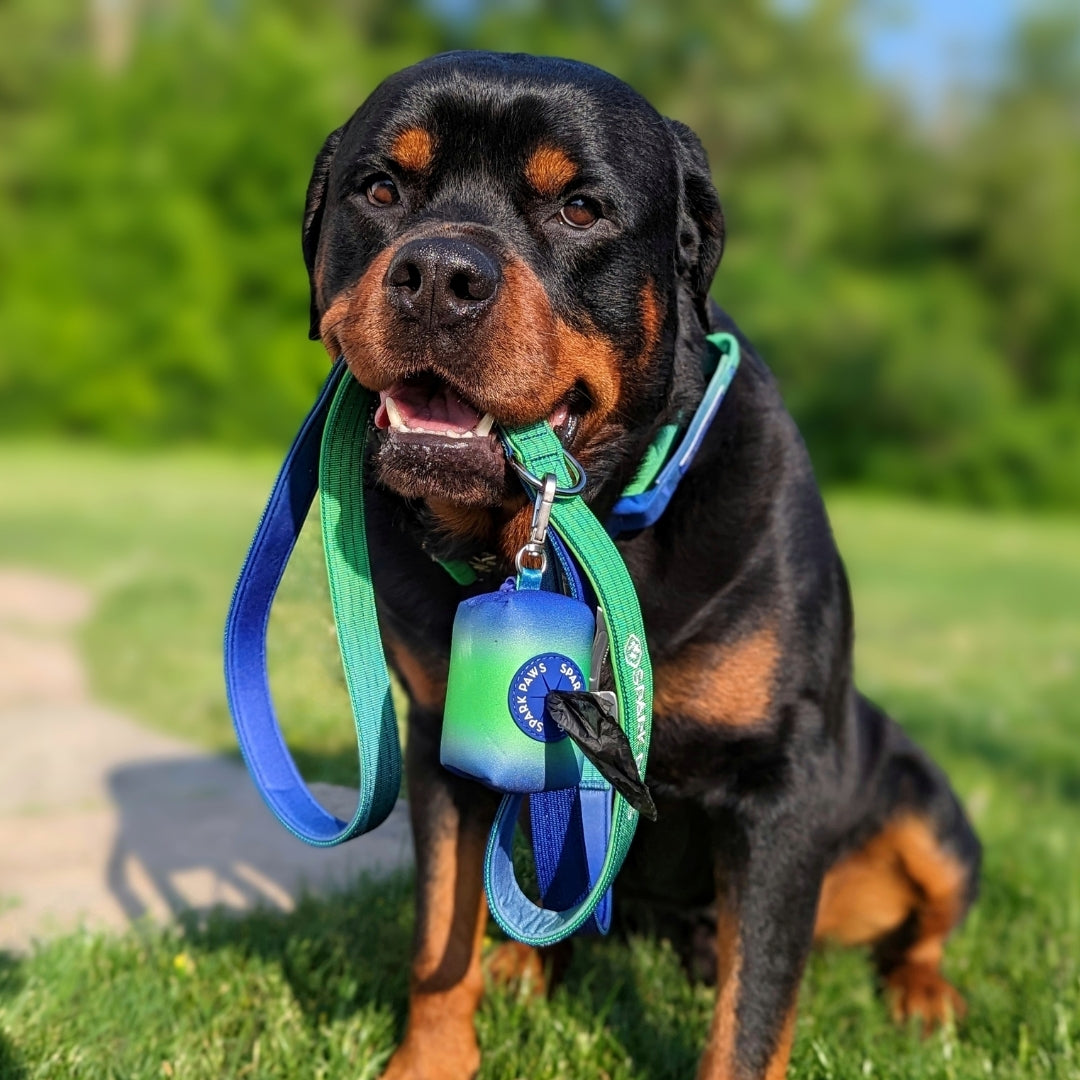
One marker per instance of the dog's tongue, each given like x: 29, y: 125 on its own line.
x: 427, y: 407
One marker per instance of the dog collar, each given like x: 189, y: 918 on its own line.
x: 663, y: 465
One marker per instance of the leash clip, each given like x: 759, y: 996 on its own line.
x: 545, y: 499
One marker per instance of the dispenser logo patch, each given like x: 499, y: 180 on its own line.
x: 529, y: 691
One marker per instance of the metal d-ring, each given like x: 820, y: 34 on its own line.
x: 576, y: 488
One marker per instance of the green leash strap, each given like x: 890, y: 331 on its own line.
x: 246, y: 678
x: 341, y: 505
x: 539, y: 451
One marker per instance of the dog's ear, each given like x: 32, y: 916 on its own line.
x: 701, y: 220
x: 313, y: 217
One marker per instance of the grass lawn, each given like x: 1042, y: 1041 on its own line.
x: 968, y: 631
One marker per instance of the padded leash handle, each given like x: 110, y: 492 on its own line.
x: 336, y: 471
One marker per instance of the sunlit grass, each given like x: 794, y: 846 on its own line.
x: 968, y: 631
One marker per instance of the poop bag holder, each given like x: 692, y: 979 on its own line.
x: 510, y: 648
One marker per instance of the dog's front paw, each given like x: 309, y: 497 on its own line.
x: 918, y: 990
x: 456, y: 1060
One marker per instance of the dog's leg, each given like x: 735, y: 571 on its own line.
x: 903, y: 892
x: 768, y: 878
x: 451, y: 818
x: 905, y: 888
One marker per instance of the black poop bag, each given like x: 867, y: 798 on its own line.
x: 590, y: 720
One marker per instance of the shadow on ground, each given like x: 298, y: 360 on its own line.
x: 193, y: 833
x: 336, y: 952
x: 11, y: 1068
x: 351, y: 950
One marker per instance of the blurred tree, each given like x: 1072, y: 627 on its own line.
x: 917, y: 294
x: 154, y: 288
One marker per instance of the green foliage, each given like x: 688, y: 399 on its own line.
x: 915, y: 287
x: 155, y: 284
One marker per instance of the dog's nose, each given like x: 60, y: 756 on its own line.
x: 442, y: 280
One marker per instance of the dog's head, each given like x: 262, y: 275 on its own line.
x: 497, y: 239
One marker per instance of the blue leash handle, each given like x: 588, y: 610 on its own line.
x: 257, y: 730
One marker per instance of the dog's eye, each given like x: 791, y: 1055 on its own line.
x: 580, y: 213
x: 382, y: 191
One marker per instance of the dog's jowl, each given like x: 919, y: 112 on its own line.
x: 497, y: 239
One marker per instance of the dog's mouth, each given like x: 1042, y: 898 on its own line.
x: 444, y: 445
x: 427, y: 405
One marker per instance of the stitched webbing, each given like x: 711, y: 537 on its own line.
x: 343, y: 420
x: 341, y: 502
x: 341, y: 481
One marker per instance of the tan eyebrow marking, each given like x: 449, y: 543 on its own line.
x: 413, y: 149
x: 549, y: 170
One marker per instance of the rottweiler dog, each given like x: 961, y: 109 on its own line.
x: 496, y: 239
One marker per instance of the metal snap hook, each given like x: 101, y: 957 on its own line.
x: 545, y: 499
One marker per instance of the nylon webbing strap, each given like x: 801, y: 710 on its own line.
x: 341, y: 499
x: 342, y: 409
x: 540, y: 452
x: 340, y: 419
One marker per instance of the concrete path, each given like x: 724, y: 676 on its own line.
x: 102, y: 821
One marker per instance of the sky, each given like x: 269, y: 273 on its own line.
x: 928, y: 46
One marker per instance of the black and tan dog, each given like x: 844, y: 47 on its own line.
x: 501, y: 238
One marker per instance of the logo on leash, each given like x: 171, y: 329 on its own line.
x: 634, y: 653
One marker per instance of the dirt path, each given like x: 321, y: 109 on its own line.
x: 102, y: 821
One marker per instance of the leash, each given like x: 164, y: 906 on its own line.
x: 335, y: 470
x: 581, y: 833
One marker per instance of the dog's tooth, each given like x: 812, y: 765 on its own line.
x: 452, y: 433
x: 485, y: 425
x: 394, y: 416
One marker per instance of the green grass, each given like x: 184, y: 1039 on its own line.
x: 968, y: 631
